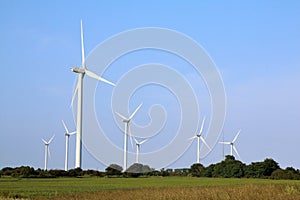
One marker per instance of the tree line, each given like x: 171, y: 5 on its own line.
x: 228, y: 168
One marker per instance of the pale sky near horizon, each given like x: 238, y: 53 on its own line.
x: 255, y: 46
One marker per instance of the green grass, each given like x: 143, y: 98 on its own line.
x: 64, y: 187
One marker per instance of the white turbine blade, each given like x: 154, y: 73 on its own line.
x: 48, y: 152
x: 135, y: 140
x: 82, y: 46
x: 236, y: 136
x: 124, y: 118
x: 142, y: 142
x: 66, y: 129
x: 95, y: 76
x: 224, y: 143
x: 44, y: 141
x: 236, y: 151
x: 132, y: 115
x: 130, y: 136
x: 193, y: 137
x: 72, y: 133
x: 201, y: 129
x: 51, y: 139
x: 74, y: 94
x: 202, y: 139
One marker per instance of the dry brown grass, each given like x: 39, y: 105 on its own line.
x: 245, y: 192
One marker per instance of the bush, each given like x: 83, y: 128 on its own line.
x: 137, y: 170
x: 113, y: 170
x: 75, y: 172
x: 289, y: 173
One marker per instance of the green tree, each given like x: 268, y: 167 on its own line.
x: 289, y: 173
x: 229, y: 168
x: 197, y: 169
x: 261, y: 169
x: 208, y: 171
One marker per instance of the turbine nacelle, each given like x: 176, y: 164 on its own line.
x: 77, y: 70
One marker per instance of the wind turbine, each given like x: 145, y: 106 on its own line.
x: 199, y: 137
x: 232, y: 147
x: 126, y: 131
x: 47, y: 151
x: 67, y: 134
x: 138, y: 146
x: 81, y: 72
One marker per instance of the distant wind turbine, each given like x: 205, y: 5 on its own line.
x: 81, y: 72
x: 199, y: 137
x: 127, y: 131
x: 232, y: 147
x: 67, y: 134
x: 138, y: 146
x: 47, y: 151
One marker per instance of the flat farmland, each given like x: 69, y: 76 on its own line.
x: 148, y: 188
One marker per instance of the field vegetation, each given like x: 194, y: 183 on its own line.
x: 229, y: 179
x: 149, y: 188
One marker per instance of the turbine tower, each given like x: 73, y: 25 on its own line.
x: 67, y: 134
x: 126, y: 131
x: 199, y: 137
x: 47, y: 151
x: 81, y: 72
x: 138, y: 146
x: 232, y: 147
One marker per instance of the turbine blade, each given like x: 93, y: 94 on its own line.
x: 124, y: 118
x: 51, y: 139
x: 132, y: 115
x: 72, y: 133
x: 66, y: 129
x: 74, y: 94
x: 142, y: 142
x: 224, y: 142
x: 95, y: 76
x: 193, y: 137
x: 44, y: 141
x: 236, y: 136
x: 130, y: 136
x: 82, y: 45
x: 202, y: 126
x: 236, y: 151
x: 135, y: 140
x: 48, y: 151
x: 202, y: 139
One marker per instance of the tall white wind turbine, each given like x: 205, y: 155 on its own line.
x: 126, y: 132
x: 67, y: 134
x: 47, y: 151
x: 81, y: 72
x: 199, y: 137
x: 232, y: 147
x: 138, y: 146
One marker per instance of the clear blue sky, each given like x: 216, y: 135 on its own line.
x: 255, y: 45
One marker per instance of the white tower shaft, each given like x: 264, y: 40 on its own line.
x: 198, y: 150
x: 46, y: 157
x: 67, y: 152
x: 137, y: 153
x: 125, y: 147
x: 79, y: 123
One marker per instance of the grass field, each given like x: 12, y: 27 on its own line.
x: 149, y: 188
